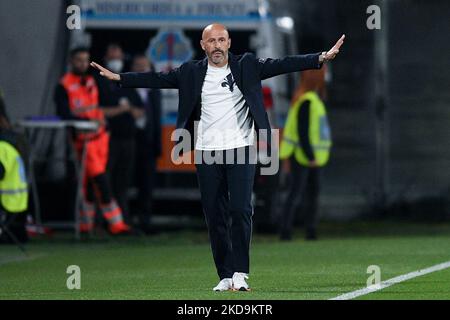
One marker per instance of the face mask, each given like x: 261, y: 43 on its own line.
x: 115, y: 65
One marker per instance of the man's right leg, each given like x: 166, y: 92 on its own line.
x: 214, y: 195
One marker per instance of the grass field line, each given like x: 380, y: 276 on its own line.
x: 392, y: 281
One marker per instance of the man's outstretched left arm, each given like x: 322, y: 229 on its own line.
x: 272, y: 67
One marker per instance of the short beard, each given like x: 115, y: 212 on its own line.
x: 218, y: 60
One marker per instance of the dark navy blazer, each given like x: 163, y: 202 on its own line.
x: 247, y: 70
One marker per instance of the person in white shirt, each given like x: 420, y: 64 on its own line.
x: 225, y: 121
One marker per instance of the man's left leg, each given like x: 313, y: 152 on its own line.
x: 240, y: 178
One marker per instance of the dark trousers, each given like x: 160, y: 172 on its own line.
x: 120, y: 168
x: 304, y: 186
x: 226, y: 193
x: 16, y: 223
x: 145, y: 177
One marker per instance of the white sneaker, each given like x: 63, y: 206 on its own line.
x: 224, y: 285
x: 239, y: 283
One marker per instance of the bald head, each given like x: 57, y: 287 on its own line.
x: 216, y: 42
x: 214, y: 27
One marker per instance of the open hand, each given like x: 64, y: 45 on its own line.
x: 331, y: 54
x: 105, y: 72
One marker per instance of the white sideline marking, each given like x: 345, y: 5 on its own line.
x: 390, y: 282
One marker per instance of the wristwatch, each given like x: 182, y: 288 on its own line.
x: 322, y: 56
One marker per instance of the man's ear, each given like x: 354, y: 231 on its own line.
x: 202, y: 45
x: 229, y: 43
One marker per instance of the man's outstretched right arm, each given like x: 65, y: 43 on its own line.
x: 159, y: 80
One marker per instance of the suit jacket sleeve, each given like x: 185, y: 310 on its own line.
x: 156, y: 80
x: 273, y: 67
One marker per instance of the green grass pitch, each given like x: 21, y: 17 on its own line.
x: 179, y: 265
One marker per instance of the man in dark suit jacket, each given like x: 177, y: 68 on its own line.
x: 223, y: 92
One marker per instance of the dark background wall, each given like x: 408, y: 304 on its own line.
x: 33, y: 44
x: 419, y: 98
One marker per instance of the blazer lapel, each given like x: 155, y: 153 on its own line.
x: 199, y: 78
x: 235, y: 70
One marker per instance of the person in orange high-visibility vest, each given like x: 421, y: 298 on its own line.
x: 76, y: 98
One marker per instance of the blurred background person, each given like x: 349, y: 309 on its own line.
x: 13, y: 182
x: 121, y: 116
x: 76, y: 98
x: 306, y: 145
x: 147, y: 139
